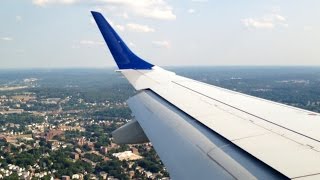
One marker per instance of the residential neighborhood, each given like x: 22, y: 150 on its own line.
x: 59, y: 136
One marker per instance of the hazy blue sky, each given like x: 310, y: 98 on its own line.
x: 61, y: 33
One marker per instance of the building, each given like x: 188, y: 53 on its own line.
x: 12, y: 111
x: 78, y: 150
x: 113, y: 146
x: 78, y: 176
x: 89, y: 161
x: 71, y: 128
x: 81, y: 141
x: 53, y: 133
x: 135, y: 151
x: 126, y: 155
x: 103, y: 175
x: 103, y: 150
x: 65, y: 178
x: 131, y: 174
x: 75, y: 156
x: 23, y: 98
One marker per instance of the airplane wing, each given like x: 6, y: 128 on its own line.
x: 201, y: 131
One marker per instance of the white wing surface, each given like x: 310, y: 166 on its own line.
x: 202, y: 131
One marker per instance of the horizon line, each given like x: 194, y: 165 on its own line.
x: 171, y: 66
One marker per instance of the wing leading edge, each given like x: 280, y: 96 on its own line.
x: 203, y: 131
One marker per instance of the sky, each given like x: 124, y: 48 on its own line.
x: 63, y: 34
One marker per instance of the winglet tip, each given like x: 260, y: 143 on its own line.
x: 95, y: 12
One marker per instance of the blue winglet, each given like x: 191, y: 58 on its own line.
x: 123, y: 56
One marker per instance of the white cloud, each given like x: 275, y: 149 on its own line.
x: 308, y: 28
x: 266, y: 22
x: 279, y: 17
x: 47, y: 2
x: 156, y: 9
x: 191, y: 11
x: 132, y: 44
x: 7, y: 38
x: 258, y: 23
x: 120, y: 27
x: 18, y: 18
x: 165, y: 44
x: 199, y: 1
x: 124, y: 15
x: 90, y: 43
x: 139, y: 28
